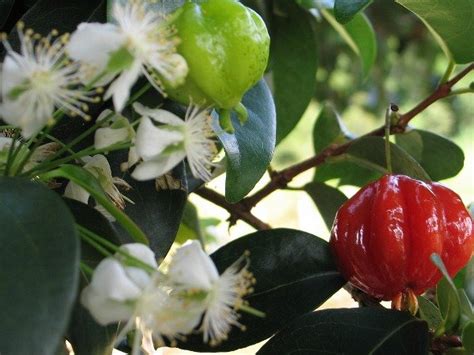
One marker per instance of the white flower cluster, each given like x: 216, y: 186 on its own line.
x: 191, y: 297
x: 56, y: 75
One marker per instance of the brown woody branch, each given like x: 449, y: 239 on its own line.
x: 237, y: 211
x: 280, y: 180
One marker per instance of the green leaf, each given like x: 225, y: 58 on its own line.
x: 352, y: 331
x: 468, y: 338
x: 85, y: 335
x: 429, y: 312
x: 347, y: 173
x: 469, y: 280
x: 345, y: 10
x: 250, y: 149
x: 328, y: 200
x: 328, y: 129
x: 450, y: 21
x: 294, y: 63
x: 157, y: 209
x: 88, y: 182
x: 5, y: 8
x: 359, y: 36
x: 63, y: 15
x: 39, y: 267
x: 189, y: 227
x: 467, y: 311
x: 369, y: 152
x: 447, y: 298
x: 440, y: 157
x: 295, y: 274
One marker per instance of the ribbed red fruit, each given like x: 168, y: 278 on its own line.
x: 384, y: 235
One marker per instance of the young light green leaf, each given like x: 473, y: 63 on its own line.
x: 447, y: 298
x: 450, y: 21
x: 429, y: 312
x: 440, y: 157
x: 359, y: 36
x: 39, y: 267
x: 328, y: 200
x: 294, y: 63
x: 467, y: 310
x: 468, y: 338
x: 189, y: 227
x: 345, y: 10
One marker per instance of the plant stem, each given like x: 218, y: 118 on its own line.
x: 86, y: 269
x: 280, y: 180
x: 388, y: 153
x: 12, y: 153
x: 447, y: 73
x: 130, y: 260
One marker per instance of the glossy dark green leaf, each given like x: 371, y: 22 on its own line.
x: 250, y: 149
x: 359, y: 35
x: 157, y: 209
x: 295, y: 274
x: 345, y: 10
x: 85, y: 335
x: 5, y: 8
x: 328, y: 129
x: 370, y: 153
x: 429, y: 312
x: 352, y: 331
x: 39, y: 267
x: 63, y: 15
x: 294, y: 63
x: 439, y: 157
x: 328, y: 200
x: 450, y: 21
x: 347, y: 173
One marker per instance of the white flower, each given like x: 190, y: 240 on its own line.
x: 141, y: 42
x: 163, y: 147
x: 38, y: 80
x: 114, y: 288
x: 191, y: 270
x: 117, y: 130
x: 100, y: 168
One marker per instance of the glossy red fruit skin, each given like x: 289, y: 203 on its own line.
x: 384, y: 235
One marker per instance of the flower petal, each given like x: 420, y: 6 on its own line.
x: 76, y: 192
x: 157, y: 167
x: 105, y: 137
x: 151, y: 140
x: 12, y: 76
x: 192, y: 267
x: 110, y: 281
x: 92, y: 43
x: 120, y: 88
x: 140, y: 251
x: 158, y: 115
x: 105, y: 311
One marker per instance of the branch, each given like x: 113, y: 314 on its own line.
x: 237, y: 211
x: 281, y: 179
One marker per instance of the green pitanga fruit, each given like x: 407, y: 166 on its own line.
x: 226, y: 46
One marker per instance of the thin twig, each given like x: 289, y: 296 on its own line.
x: 237, y: 211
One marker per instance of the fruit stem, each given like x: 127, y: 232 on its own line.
x: 388, y: 124
x: 242, y: 113
x: 225, y: 121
